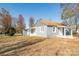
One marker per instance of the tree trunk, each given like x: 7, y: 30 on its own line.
x: 22, y: 32
x: 76, y: 24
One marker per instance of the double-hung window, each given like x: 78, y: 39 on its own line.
x: 53, y: 29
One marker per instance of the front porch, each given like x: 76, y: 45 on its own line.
x: 64, y: 32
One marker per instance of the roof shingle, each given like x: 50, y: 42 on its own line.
x: 49, y: 23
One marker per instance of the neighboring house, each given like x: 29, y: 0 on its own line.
x: 47, y: 28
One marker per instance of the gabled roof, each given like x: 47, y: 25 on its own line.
x: 49, y: 23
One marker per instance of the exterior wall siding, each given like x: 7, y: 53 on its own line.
x: 45, y: 31
x: 41, y: 31
x: 50, y: 31
x: 53, y: 31
x: 38, y: 31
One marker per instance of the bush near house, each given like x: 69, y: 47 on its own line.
x: 76, y: 34
x: 12, y: 31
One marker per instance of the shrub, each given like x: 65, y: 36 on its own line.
x: 11, y: 31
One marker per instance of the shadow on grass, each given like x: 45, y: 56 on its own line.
x: 17, y: 45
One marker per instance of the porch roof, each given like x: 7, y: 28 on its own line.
x: 49, y: 23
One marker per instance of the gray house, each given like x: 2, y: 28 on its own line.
x: 47, y: 28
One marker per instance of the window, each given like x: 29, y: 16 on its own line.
x: 42, y: 29
x: 53, y: 28
x: 33, y: 30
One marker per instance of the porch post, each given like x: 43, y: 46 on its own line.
x: 64, y: 31
x: 29, y: 30
x: 55, y: 29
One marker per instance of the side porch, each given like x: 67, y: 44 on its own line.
x: 64, y: 32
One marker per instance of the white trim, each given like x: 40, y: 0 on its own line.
x: 61, y: 26
x: 69, y: 37
x: 64, y: 31
x: 71, y: 33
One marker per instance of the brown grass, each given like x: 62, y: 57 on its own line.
x: 38, y: 46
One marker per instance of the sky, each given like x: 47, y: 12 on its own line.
x: 37, y: 10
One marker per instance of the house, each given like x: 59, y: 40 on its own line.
x: 47, y: 28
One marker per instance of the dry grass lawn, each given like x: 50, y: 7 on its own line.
x: 38, y: 46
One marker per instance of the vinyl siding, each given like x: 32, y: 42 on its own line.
x: 41, y: 31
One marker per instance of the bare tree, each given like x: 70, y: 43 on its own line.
x: 20, y: 24
x: 1, y: 27
x: 7, y: 22
x: 31, y: 23
x: 70, y: 13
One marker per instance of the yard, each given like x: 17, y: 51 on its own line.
x: 37, y: 46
